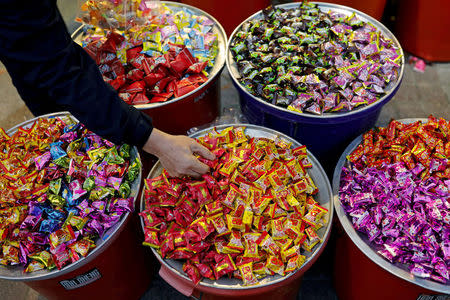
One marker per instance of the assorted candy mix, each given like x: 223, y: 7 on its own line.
x: 311, y: 61
x: 396, y: 190
x: 116, y: 14
x: 61, y: 188
x: 251, y: 216
x: 164, y: 56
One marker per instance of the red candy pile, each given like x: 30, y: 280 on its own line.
x: 144, y: 79
x: 251, y: 216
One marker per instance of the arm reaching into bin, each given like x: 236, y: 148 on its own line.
x: 177, y: 153
x: 52, y: 73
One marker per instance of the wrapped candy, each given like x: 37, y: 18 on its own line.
x: 310, y: 61
x: 165, y: 54
x: 105, y: 14
x: 395, y: 189
x: 59, y: 192
x: 238, y: 219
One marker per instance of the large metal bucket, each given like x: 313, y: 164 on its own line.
x: 327, y: 135
x: 113, y: 270
x: 359, y: 272
x: 196, y: 108
x: 272, y: 287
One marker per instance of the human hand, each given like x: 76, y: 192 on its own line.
x: 176, y: 153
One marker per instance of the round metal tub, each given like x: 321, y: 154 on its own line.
x: 360, y: 273
x: 196, y: 108
x: 327, y: 135
x: 271, y: 287
x: 113, y: 269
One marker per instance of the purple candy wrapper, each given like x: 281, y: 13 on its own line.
x: 114, y: 182
x: 77, y: 189
x: 42, y: 161
x: 122, y: 205
x: 99, y: 205
x: 84, y: 208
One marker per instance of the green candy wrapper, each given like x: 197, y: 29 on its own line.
x: 34, y: 266
x: 55, y: 186
x: 89, y: 183
x: 56, y: 200
x: 74, y: 146
x: 63, y: 162
x: 100, y: 193
x: 44, y: 258
x: 133, y: 170
x: 124, y: 151
x: 124, y: 190
x: 96, y: 155
x: 112, y: 157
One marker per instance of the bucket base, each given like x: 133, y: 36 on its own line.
x: 195, y: 110
x: 357, y: 277
x: 288, y: 292
x: 123, y: 267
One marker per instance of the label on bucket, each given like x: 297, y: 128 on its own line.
x: 201, y: 96
x: 81, y: 280
x: 433, y: 297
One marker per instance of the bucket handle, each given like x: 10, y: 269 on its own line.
x: 179, y: 285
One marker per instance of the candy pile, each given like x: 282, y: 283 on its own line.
x: 61, y: 187
x: 165, y: 57
x: 309, y: 61
x: 396, y: 189
x: 108, y: 14
x: 252, y: 216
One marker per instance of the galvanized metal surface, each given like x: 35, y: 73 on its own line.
x: 16, y: 272
x: 361, y: 240
x: 325, y: 7
x: 324, y: 197
x: 219, y: 61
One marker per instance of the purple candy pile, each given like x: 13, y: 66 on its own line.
x: 405, y: 215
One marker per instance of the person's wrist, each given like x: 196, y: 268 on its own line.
x: 154, y: 141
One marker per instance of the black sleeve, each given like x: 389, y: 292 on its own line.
x: 52, y: 73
